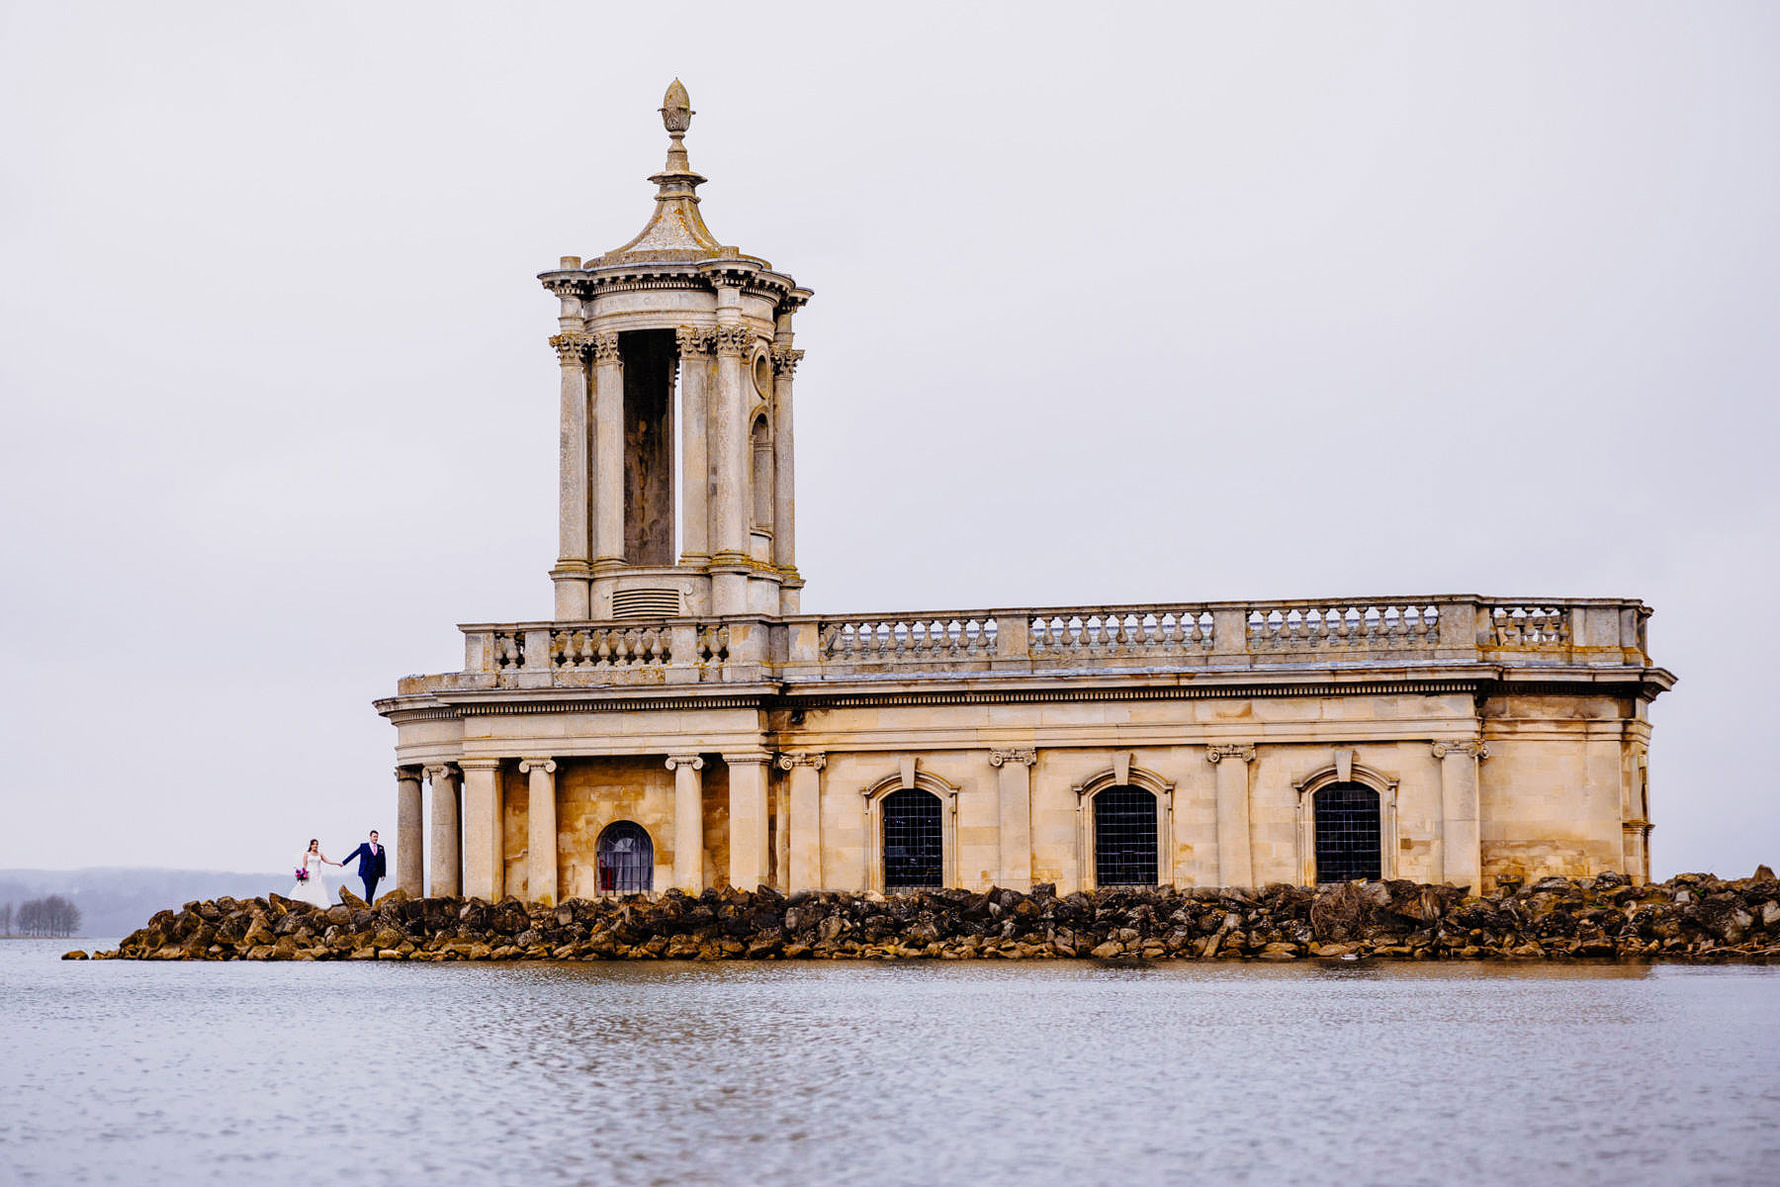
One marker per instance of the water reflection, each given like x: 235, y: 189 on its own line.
x: 937, y: 1072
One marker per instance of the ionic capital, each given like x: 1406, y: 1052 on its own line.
x: 439, y: 773
x: 733, y: 341
x: 692, y: 340
x: 676, y: 761
x: 1019, y: 758
x: 604, y: 346
x: 785, y: 361
x: 479, y: 764
x: 1471, y: 747
x: 570, y: 348
x: 1237, y: 750
x: 814, y: 760
x: 409, y: 774
x: 546, y: 765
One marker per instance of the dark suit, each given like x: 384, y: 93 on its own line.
x: 371, y: 866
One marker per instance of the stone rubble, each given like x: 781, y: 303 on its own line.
x: 1691, y: 917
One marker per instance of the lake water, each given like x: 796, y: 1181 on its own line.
x: 915, y: 1072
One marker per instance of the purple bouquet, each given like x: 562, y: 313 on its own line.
x: 302, y: 873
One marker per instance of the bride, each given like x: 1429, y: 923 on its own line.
x: 310, y: 889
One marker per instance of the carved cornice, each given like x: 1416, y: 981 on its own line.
x: 1471, y: 747
x: 733, y: 340
x: 570, y: 348
x: 675, y: 761
x: 1237, y: 750
x: 692, y: 340
x: 604, y: 346
x: 814, y: 760
x: 546, y: 765
x: 1023, y: 758
x: 785, y: 361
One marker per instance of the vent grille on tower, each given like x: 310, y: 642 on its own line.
x: 645, y: 603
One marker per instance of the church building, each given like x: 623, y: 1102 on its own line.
x: 679, y: 722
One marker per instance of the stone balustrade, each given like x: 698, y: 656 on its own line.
x: 1211, y: 635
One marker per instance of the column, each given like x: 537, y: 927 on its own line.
x: 1235, y: 861
x: 748, y: 838
x: 574, y: 499
x: 695, y: 471
x: 445, y: 872
x: 1015, y: 816
x: 1461, y: 848
x: 803, y: 822
x: 484, y: 872
x: 607, y: 482
x: 689, y: 822
x: 540, y: 827
x: 785, y: 362
x: 729, y: 512
x: 410, y: 844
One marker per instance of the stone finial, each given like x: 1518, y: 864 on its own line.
x: 676, y: 231
x: 676, y: 109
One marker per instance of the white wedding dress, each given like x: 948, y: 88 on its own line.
x: 312, y: 891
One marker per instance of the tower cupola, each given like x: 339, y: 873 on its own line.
x: 677, y: 358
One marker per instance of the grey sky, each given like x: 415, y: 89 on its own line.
x: 1168, y: 303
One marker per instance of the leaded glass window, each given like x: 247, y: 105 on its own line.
x: 914, y: 844
x: 1125, y: 837
x: 1347, y: 833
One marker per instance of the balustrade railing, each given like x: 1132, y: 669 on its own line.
x: 1350, y: 626
x: 907, y: 639
x: 1129, y: 631
x: 1061, y: 639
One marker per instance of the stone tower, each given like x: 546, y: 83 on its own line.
x: 676, y: 448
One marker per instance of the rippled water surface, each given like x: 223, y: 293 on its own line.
x: 903, y: 1073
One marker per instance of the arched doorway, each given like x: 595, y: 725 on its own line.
x: 1347, y: 833
x: 914, y: 840
x: 1124, y: 837
x: 626, y: 859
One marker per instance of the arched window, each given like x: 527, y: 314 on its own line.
x: 1124, y: 837
x: 914, y: 840
x: 626, y: 859
x: 1347, y: 833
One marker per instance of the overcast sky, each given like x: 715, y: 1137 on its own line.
x: 1177, y: 302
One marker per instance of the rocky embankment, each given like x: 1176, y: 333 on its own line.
x: 1690, y: 917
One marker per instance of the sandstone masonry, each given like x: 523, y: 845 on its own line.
x: 680, y: 723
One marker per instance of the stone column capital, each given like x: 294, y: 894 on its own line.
x: 441, y: 772
x: 604, y: 346
x: 409, y: 774
x: 676, y: 761
x: 1472, y: 747
x: 1015, y: 757
x: 733, y: 341
x: 546, y: 765
x: 804, y: 758
x: 785, y: 360
x: 479, y: 764
x: 748, y: 758
x: 571, y: 349
x: 692, y: 340
x: 1242, y: 751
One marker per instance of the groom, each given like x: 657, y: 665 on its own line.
x: 371, y: 865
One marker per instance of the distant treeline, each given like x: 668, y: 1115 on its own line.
x: 51, y: 915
